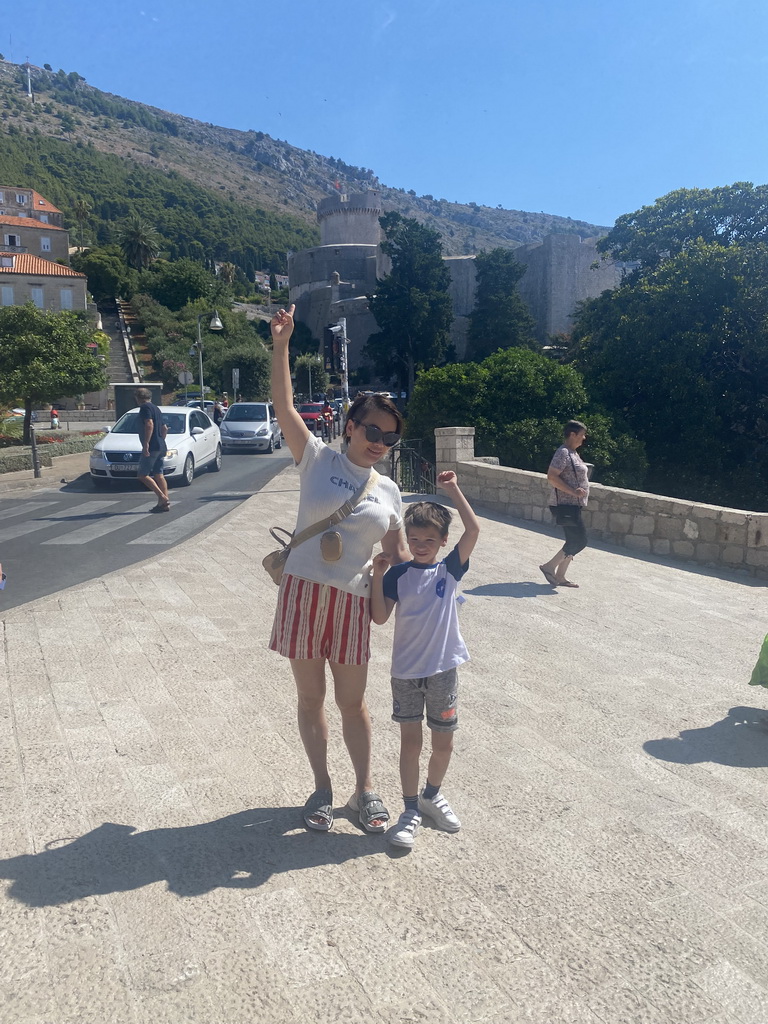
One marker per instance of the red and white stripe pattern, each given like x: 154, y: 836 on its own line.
x: 314, y: 620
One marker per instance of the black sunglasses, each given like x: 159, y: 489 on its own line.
x: 377, y: 436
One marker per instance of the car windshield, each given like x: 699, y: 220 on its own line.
x: 247, y: 413
x: 311, y: 408
x: 129, y: 423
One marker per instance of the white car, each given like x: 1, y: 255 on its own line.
x: 193, y: 442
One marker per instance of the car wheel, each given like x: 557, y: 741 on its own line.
x: 188, y: 473
x: 279, y: 441
x: 100, y: 483
x: 215, y: 466
x: 271, y: 445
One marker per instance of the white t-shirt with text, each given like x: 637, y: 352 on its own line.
x: 328, y: 479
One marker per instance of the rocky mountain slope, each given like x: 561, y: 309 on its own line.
x: 248, y: 166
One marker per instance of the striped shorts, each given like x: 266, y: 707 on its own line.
x: 314, y: 620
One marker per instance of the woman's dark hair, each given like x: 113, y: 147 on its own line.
x: 367, y: 403
x: 573, y: 427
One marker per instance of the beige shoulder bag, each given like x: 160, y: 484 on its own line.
x: 330, y: 543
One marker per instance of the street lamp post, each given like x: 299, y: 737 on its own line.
x: 214, y: 325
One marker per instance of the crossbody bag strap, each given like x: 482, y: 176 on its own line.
x: 340, y: 514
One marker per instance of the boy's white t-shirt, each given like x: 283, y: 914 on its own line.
x: 427, y: 637
x: 328, y: 479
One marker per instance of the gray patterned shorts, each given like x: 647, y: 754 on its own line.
x: 439, y: 693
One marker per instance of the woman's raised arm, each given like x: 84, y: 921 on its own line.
x: 292, y: 425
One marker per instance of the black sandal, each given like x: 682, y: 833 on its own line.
x: 319, y: 805
x: 370, y: 808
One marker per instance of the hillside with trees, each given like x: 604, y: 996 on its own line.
x: 248, y: 169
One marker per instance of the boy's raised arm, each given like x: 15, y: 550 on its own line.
x: 450, y: 484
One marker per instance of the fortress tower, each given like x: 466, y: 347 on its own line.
x: 350, y: 219
x: 335, y: 278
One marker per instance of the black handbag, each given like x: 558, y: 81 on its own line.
x: 566, y: 513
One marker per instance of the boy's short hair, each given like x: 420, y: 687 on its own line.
x: 428, y: 513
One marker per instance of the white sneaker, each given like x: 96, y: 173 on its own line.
x: 440, y: 811
x: 405, y: 831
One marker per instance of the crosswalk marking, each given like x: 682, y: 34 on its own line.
x: 184, y: 525
x: 22, y: 529
x: 99, y: 529
x: 27, y: 506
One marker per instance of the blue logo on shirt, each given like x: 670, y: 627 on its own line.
x: 440, y: 588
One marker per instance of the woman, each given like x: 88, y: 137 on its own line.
x: 323, y: 604
x: 570, y: 492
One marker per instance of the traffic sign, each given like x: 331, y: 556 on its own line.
x: 185, y: 377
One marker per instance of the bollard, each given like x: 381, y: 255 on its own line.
x: 35, y: 456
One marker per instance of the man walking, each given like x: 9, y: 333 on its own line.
x: 152, y: 432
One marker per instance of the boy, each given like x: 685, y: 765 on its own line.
x: 427, y: 650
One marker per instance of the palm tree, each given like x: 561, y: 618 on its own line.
x: 82, y: 213
x: 140, y: 242
x: 227, y: 272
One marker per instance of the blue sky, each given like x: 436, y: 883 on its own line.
x: 587, y: 109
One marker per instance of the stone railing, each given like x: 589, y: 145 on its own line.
x: 644, y: 523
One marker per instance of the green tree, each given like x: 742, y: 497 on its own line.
x: 411, y: 305
x: 681, y: 352
x: 500, y: 318
x: 174, y: 284
x: 518, y: 400
x: 82, y: 211
x: 43, y: 356
x: 140, y: 243
x: 107, y: 273
x: 726, y: 215
x: 227, y: 272
x: 254, y: 364
x: 302, y: 368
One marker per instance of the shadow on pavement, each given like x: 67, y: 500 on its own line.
x: 240, y: 851
x: 739, y: 740
x: 525, y: 588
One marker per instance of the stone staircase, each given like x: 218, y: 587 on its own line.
x: 118, y: 368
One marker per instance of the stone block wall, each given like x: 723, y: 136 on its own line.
x: 643, y: 523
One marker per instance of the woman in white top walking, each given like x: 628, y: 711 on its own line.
x: 323, y: 609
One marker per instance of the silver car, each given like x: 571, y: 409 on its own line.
x: 250, y: 426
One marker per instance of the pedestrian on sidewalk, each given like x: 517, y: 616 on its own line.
x: 570, y: 492
x: 323, y: 605
x: 152, y: 433
x: 54, y: 419
x: 427, y: 650
x: 218, y: 413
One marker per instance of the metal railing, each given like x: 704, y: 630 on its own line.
x: 411, y: 471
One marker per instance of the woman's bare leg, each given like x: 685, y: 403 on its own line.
x: 563, y: 567
x: 309, y: 675
x: 349, y: 682
x: 554, y: 563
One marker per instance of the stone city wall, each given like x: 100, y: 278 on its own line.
x: 644, y: 523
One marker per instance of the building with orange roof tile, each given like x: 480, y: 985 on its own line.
x: 27, y: 278
x: 29, y: 223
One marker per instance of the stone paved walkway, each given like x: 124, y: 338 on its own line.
x: 610, y: 773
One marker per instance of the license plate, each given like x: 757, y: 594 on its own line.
x: 117, y: 468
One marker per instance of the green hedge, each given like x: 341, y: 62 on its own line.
x: 14, y: 459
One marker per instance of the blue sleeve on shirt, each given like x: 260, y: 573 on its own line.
x: 391, y: 579
x: 453, y: 564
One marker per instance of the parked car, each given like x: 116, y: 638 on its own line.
x: 251, y: 425
x: 193, y: 442
x: 312, y: 414
x: 194, y: 403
